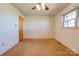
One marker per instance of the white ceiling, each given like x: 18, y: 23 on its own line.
x: 26, y: 8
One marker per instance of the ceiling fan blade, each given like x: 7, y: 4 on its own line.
x: 46, y: 8
x: 33, y: 8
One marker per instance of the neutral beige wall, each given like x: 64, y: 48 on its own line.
x: 52, y: 21
x: 8, y: 31
x: 38, y: 27
x: 69, y: 37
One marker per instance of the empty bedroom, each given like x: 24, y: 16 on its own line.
x: 39, y: 29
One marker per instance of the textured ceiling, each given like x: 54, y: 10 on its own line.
x: 26, y: 8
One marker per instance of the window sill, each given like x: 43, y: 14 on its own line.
x: 70, y: 27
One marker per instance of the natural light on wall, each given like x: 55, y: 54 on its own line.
x: 37, y: 27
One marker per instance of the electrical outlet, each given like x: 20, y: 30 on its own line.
x: 3, y: 44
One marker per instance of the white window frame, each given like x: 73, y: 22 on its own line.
x: 76, y: 19
x: 77, y: 24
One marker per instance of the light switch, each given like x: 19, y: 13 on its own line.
x: 15, y: 25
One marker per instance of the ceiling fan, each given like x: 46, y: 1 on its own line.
x: 40, y: 6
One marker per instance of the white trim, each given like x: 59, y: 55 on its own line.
x: 11, y: 45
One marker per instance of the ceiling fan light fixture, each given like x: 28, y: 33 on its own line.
x: 43, y: 6
x: 38, y: 7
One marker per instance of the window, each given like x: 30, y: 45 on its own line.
x: 78, y: 22
x: 69, y: 19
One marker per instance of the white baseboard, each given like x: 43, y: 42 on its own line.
x: 12, y: 45
x: 38, y: 38
x: 73, y: 49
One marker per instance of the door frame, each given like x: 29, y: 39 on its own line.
x: 20, y: 34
